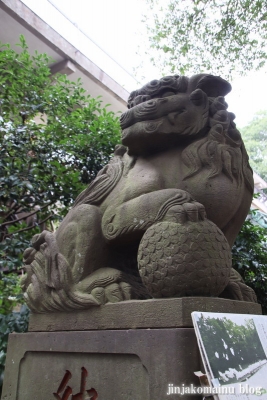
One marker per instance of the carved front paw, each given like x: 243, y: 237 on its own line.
x: 192, y: 212
x: 113, y: 293
x: 109, y: 285
x: 238, y: 290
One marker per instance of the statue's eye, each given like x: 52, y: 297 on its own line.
x: 168, y: 93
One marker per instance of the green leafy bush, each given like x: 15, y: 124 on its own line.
x: 54, y: 138
x: 250, y: 258
x: 13, y: 322
x: 10, y: 321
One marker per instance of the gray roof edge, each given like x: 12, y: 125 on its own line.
x: 48, y: 35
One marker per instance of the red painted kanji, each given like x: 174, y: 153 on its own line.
x: 64, y: 392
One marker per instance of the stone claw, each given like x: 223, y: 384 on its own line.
x: 201, y: 211
x: 176, y: 214
x: 38, y: 239
x: 113, y: 293
x: 28, y: 255
x: 192, y: 212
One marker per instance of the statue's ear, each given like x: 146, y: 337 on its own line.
x: 213, y: 86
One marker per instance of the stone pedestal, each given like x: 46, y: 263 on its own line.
x: 124, y: 351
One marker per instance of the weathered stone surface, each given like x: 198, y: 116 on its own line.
x: 102, y: 345
x: 133, y: 314
x: 170, y: 266
x: 122, y: 365
x: 182, y: 168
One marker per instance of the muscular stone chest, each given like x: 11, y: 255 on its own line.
x: 154, y: 173
x: 158, y: 172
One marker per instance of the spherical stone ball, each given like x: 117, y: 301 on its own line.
x: 191, y: 259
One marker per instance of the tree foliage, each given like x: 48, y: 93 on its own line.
x: 216, y: 36
x: 255, y: 139
x: 230, y: 345
x: 44, y: 163
x: 249, y: 255
x: 250, y: 249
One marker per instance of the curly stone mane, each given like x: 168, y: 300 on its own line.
x: 221, y: 150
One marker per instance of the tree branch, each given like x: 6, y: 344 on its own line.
x: 30, y: 227
x: 29, y: 215
x: 13, y: 208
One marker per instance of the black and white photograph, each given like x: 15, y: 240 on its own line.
x: 234, y: 350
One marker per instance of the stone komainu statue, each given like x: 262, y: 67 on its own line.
x: 160, y: 219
